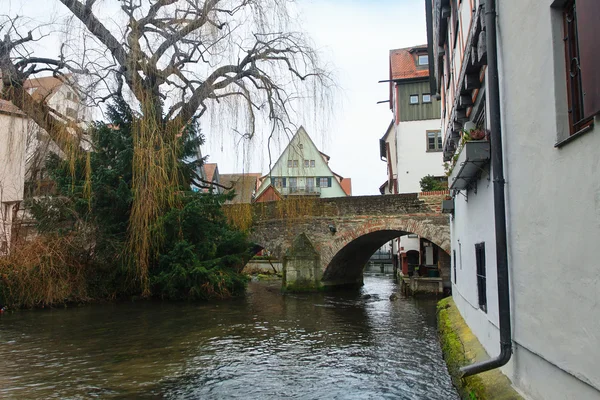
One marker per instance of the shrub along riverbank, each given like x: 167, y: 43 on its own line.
x: 82, y: 253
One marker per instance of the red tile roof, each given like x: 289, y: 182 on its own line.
x: 209, y: 170
x: 347, y: 185
x: 44, y: 86
x: 8, y: 107
x: 403, y: 63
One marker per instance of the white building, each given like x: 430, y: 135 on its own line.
x: 412, y: 144
x: 302, y: 170
x: 24, y: 146
x: 540, y: 168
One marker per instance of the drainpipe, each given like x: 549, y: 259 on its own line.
x: 499, y: 202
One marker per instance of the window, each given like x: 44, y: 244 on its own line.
x: 295, y: 164
x: 306, y: 163
x: 481, y: 279
x: 293, y: 184
x: 300, y: 145
x: 423, y: 59
x: 69, y: 96
x: 312, y: 163
x: 434, y: 141
x: 426, y: 98
x: 71, y: 113
x: 454, y: 264
x: 324, y: 182
x: 289, y: 163
x: 575, y: 90
x: 310, y: 184
x: 279, y: 182
x: 414, y: 99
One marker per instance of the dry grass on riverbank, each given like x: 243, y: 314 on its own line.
x: 42, y: 272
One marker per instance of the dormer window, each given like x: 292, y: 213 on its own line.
x: 423, y: 59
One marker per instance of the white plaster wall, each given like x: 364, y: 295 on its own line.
x: 13, y: 138
x: 408, y: 244
x: 414, y: 162
x: 553, y: 213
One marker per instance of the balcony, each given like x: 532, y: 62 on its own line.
x: 472, y: 158
x: 300, y: 191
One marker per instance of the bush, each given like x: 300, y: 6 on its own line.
x: 430, y: 183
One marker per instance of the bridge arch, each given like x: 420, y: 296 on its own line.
x: 345, y: 257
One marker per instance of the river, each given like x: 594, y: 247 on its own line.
x: 264, y: 346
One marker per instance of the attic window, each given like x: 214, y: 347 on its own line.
x: 414, y: 99
x: 423, y: 59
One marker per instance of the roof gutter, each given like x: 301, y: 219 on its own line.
x: 433, y: 88
x: 499, y: 201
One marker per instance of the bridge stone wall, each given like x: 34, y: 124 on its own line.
x: 361, y: 225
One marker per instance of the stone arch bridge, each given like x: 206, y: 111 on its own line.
x: 327, y: 242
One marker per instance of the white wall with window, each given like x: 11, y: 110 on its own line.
x: 418, y: 153
x: 551, y: 164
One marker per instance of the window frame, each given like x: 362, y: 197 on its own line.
x: 481, y: 274
x: 289, y: 163
x: 436, y: 138
x: 411, y: 97
x: 71, y: 113
x: 423, y: 98
x: 324, y: 179
x: 312, y: 163
x: 419, y: 63
x: 575, y: 107
x: 306, y: 164
x: 295, y: 163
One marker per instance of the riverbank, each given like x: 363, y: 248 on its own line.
x: 460, y: 347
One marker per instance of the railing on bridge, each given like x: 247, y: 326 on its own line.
x: 300, y: 191
x: 381, y: 257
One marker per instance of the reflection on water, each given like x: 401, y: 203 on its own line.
x: 265, y: 346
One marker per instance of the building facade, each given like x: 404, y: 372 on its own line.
x: 302, y: 170
x: 412, y: 146
x: 538, y: 122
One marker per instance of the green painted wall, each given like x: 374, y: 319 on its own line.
x: 421, y: 111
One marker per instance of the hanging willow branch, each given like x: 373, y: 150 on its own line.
x: 177, y: 59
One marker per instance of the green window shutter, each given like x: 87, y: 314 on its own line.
x: 318, y: 178
x: 284, y: 181
x: 329, y: 182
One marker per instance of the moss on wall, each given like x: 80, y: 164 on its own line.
x: 461, y: 347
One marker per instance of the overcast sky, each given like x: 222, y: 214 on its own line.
x: 354, y: 38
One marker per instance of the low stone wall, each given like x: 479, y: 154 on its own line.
x: 421, y: 285
x: 263, y: 265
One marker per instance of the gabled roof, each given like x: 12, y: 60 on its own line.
x: 245, y: 186
x: 347, y: 185
x: 269, y: 194
x: 209, y: 169
x: 6, y: 107
x: 301, y: 132
x: 44, y: 87
x: 403, y: 63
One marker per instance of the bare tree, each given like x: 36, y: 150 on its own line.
x: 176, y: 59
